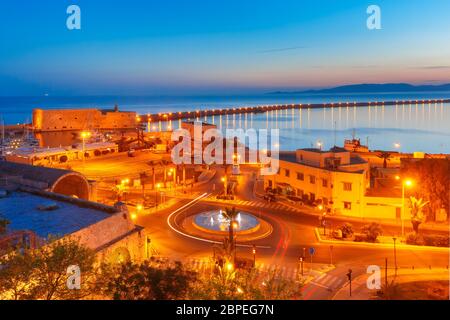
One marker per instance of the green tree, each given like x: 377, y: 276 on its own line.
x: 152, y: 280
x: 16, y: 271
x: 372, y: 231
x: 230, y: 215
x: 42, y: 273
x: 417, y: 216
x: 385, y: 156
x: 347, y: 230
x: 242, y: 284
x: 432, y: 178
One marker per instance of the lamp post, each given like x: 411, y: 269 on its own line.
x: 254, y: 256
x: 84, y: 135
x: 395, y: 255
x: 405, y: 183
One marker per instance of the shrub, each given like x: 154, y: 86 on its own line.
x: 436, y: 240
x: 414, y: 239
x: 347, y: 230
x: 372, y: 231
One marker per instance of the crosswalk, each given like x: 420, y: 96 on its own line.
x: 262, y: 270
x: 328, y: 281
x: 260, y: 204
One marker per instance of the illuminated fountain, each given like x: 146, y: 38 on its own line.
x: 215, y: 221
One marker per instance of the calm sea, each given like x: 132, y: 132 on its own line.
x: 414, y: 127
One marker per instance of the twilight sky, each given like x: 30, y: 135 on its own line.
x: 151, y: 47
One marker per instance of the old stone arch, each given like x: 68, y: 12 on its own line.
x: 73, y: 185
x: 120, y: 255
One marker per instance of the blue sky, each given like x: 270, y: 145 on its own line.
x: 214, y: 47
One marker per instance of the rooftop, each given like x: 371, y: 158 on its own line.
x: 21, y: 209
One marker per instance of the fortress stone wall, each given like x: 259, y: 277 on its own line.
x: 82, y: 119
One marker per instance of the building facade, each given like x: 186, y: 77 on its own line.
x: 336, y: 180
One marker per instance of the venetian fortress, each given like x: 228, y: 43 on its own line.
x: 81, y: 119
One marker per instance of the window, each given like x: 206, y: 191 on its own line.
x: 300, y: 176
x: 347, y: 205
x: 312, y: 179
x: 287, y: 172
x: 324, y: 183
x: 347, y: 186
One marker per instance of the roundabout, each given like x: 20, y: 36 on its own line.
x: 211, y: 226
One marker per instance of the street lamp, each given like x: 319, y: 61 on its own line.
x: 84, y: 136
x: 395, y: 255
x: 407, y: 183
x: 320, y: 145
x: 254, y: 256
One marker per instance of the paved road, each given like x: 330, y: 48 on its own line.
x: 292, y: 231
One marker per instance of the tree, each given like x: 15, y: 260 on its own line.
x: 42, y: 273
x: 372, y: 231
x: 385, y: 156
x: 347, y: 230
x: 434, y: 186
x: 230, y: 214
x: 3, y: 225
x: 241, y: 284
x: 16, y: 270
x: 152, y: 280
x: 417, y: 216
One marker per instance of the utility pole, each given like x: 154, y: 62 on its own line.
x: 385, y: 274
x: 331, y: 255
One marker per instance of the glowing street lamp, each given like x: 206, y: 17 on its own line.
x: 254, y: 255
x: 84, y: 135
x: 397, y: 145
x: 407, y: 183
x: 320, y: 145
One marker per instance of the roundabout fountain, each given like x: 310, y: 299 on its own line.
x: 212, y: 225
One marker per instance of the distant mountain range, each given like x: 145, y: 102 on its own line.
x: 374, y: 88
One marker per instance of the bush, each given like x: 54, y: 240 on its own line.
x: 413, y: 239
x: 372, y: 231
x: 436, y: 240
x: 347, y: 230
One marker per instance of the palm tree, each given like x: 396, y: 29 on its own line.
x: 385, y: 156
x: 417, y: 216
x: 230, y: 214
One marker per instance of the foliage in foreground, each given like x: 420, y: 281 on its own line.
x: 42, y: 274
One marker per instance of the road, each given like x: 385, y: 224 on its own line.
x: 292, y: 232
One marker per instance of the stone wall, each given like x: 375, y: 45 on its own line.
x: 82, y: 119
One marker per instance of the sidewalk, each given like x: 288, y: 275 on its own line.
x: 259, y: 192
x: 384, y: 245
x: 361, y: 292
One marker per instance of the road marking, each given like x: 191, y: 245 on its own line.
x: 197, y: 238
